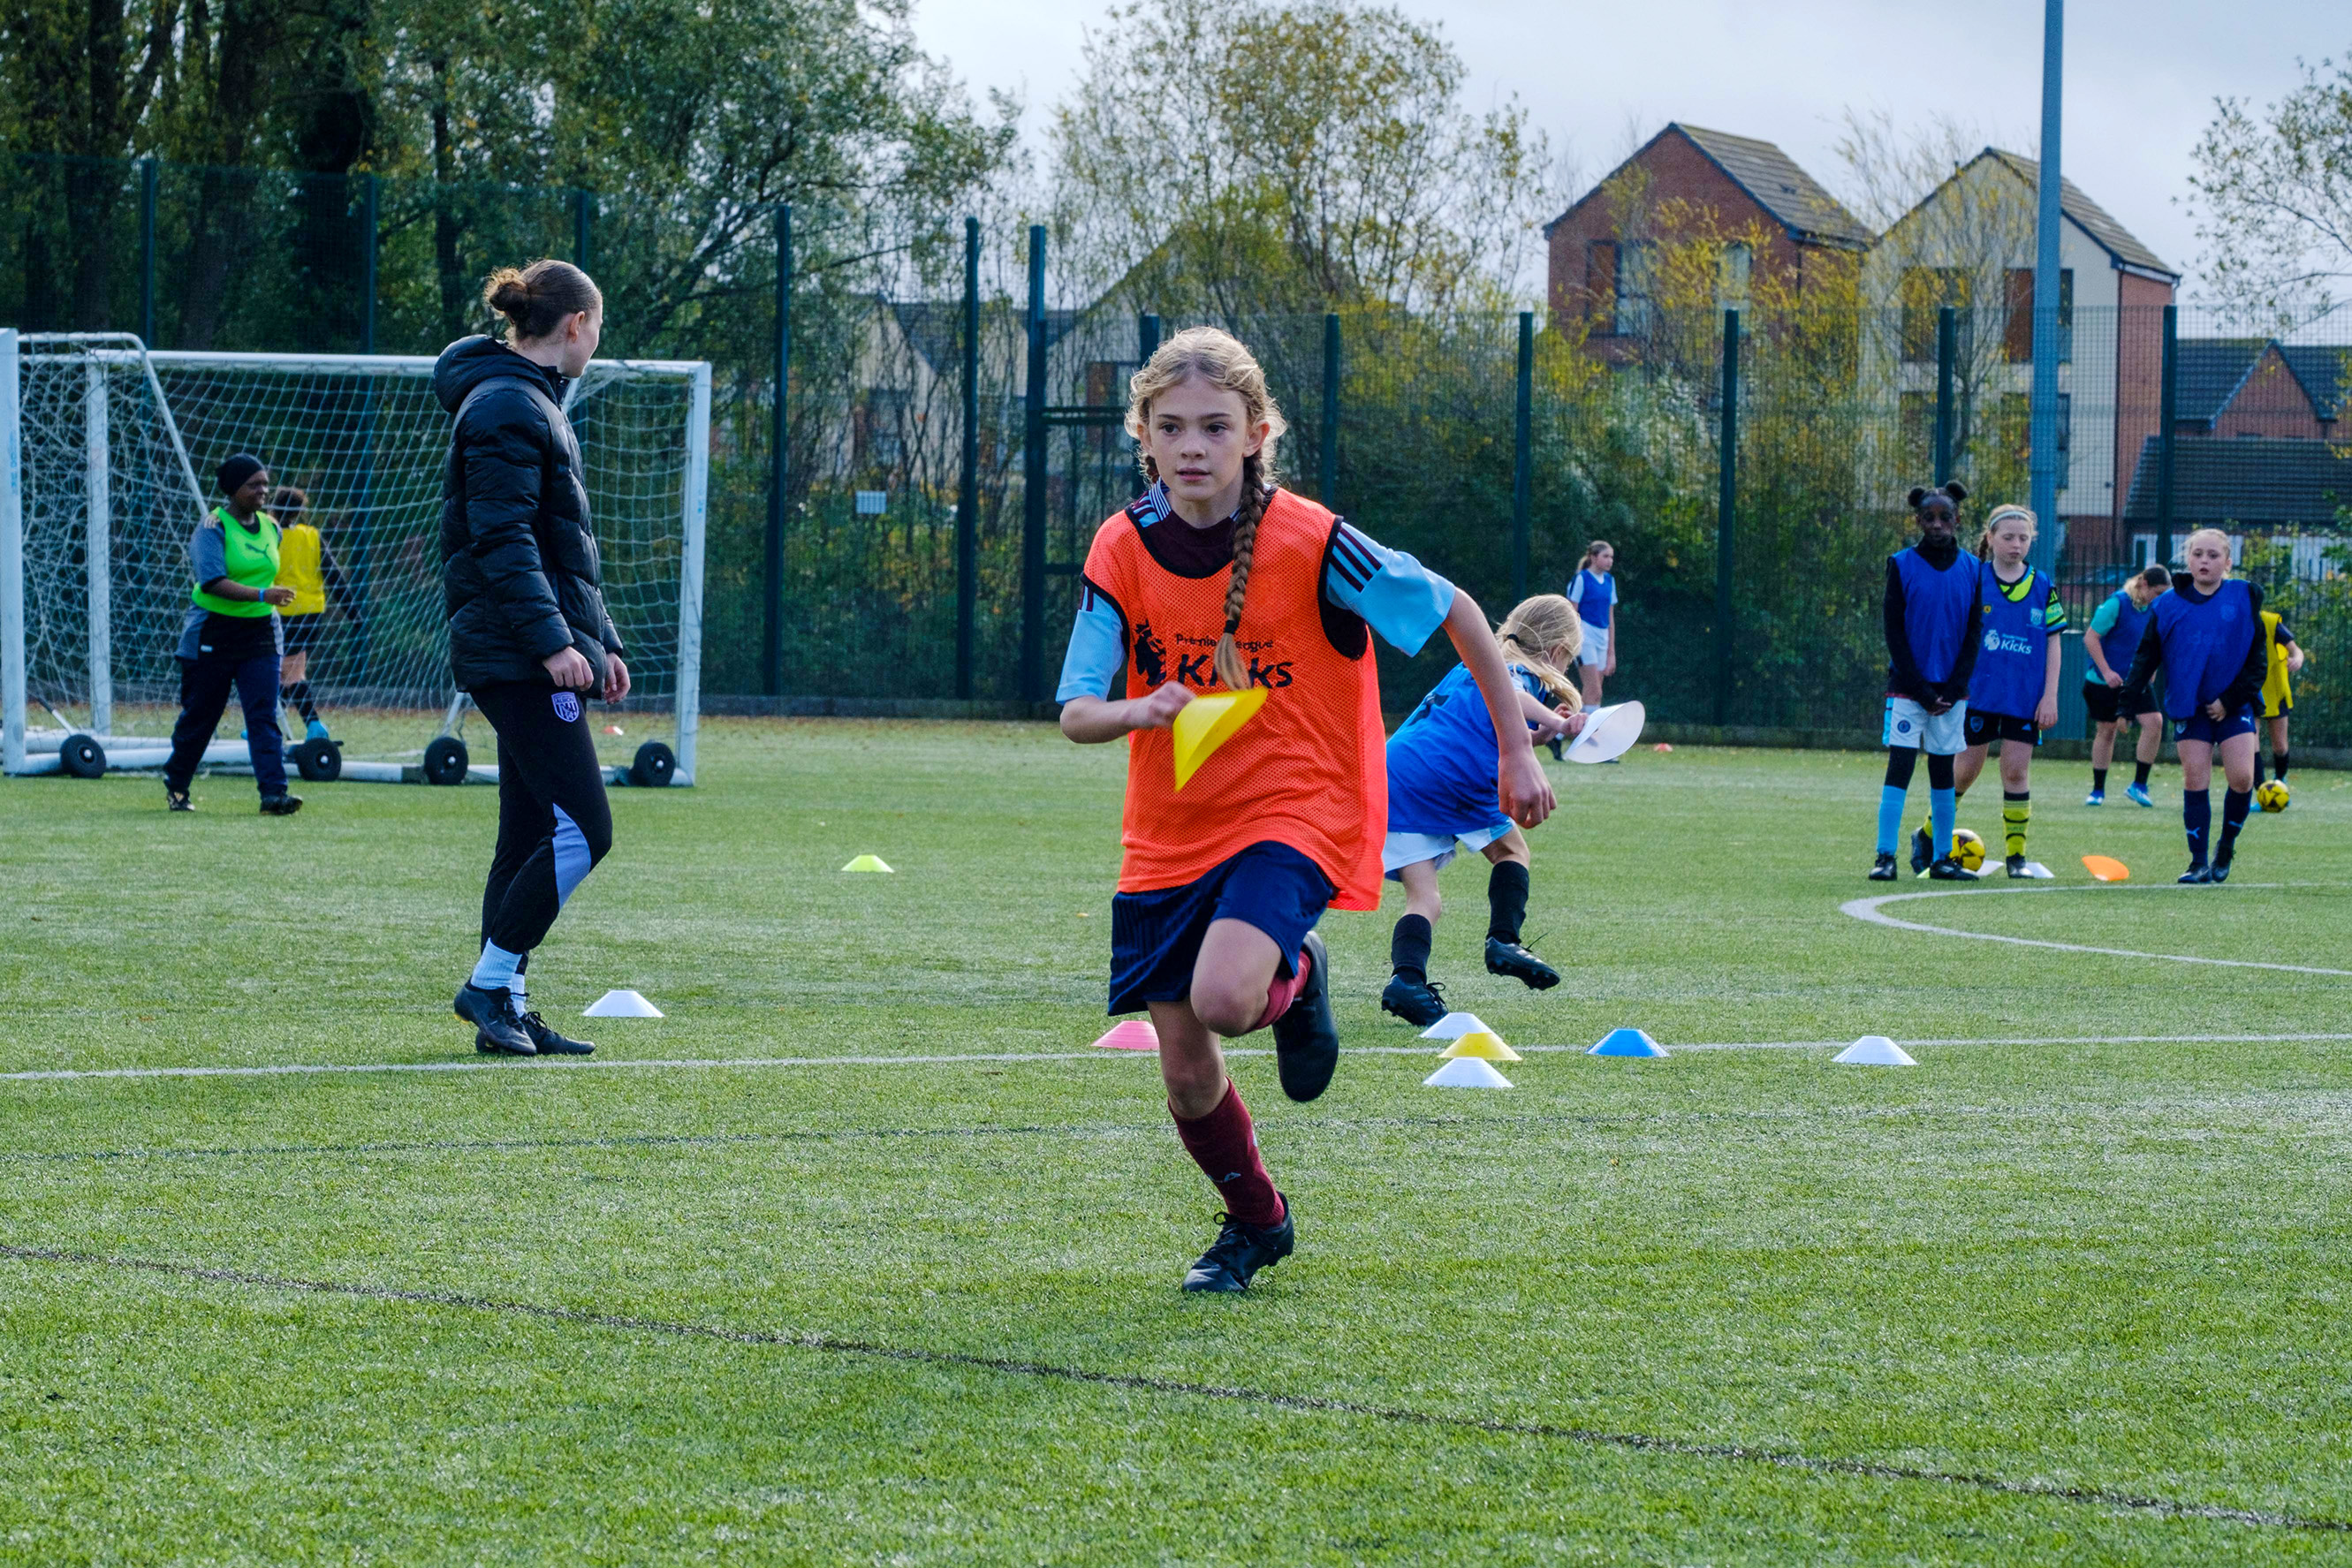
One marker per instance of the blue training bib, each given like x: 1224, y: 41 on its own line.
x: 2205, y: 645
x: 2013, y: 647
x: 1441, y: 759
x: 1936, y: 610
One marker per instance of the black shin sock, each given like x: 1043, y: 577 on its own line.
x: 2098, y: 780
x: 1408, y: 947
x: 1507, y: 900
x: 2278, y: 767
x: 2234, y: 803
x: 298, y: 696
x: 2139, y: 773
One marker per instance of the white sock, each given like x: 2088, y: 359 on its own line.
x: 496, y: 971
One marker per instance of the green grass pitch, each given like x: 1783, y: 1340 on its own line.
x: 2065, y: 1291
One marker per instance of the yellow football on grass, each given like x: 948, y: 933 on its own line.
x: 2273, y: 795
x: 1968, y: 849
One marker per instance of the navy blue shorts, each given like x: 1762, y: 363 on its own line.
x: 1155, y: 937
x: 2197, y: 727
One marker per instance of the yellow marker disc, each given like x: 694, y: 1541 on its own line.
x: 1484, y: 1044
x: 1207, y: 722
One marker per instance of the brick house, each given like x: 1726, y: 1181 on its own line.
x: 1970, y: 244
x: 1686, y: 178
x: 2239, y: 387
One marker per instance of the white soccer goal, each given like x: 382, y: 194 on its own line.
x: 108, y: 450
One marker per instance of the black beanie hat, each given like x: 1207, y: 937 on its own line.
x: 233, y: 472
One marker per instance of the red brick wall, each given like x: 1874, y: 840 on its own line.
x: 1671, y: 169
x: 2272, y: 402
x: 2140, y: 373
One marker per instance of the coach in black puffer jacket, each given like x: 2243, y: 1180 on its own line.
x: 519, y: 565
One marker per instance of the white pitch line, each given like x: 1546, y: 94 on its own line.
x: 1425, y: 1048
x: 1870, y: 910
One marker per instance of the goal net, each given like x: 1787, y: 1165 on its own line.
x: 110, y: 453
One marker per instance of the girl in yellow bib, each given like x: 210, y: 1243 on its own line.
x: 307, y: 567
x: 230, y: 639
x: 1217, y: 578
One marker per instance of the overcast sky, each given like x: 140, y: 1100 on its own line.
x: 2141, y: 75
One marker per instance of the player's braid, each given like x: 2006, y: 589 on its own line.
x: 1256, y: 498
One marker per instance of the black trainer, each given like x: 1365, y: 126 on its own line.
x: 2220, y: 868
x: 1415, y: 1001
x: 2195, y: 874
x: 280, y: 805
x: 2017, y: 868
x: 1559, y: 748
x: 1305, y: 1040
x: 1510, y: 958
x: 1882, y: 868
x: 1950, y: 870
x: 497, y: 1029
x: 544, y: 1036
x: 1923, y: 850
x: 177, y: 800
x: 1241, y: 1251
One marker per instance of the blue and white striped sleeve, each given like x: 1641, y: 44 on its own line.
x: 1097, y: 646
x: 1397, y: 596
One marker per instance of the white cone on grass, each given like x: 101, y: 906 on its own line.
x: 621, y: 1005
x: 1874, y: 1050
x: 1467, y: 1073
x: 1454, y: 1026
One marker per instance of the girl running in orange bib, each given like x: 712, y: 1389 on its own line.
x: 1214, y: 578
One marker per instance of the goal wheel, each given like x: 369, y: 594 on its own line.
x: 446, y: 761
x: 83, y: 756
x: 654, y: 766
x: 321, y: 761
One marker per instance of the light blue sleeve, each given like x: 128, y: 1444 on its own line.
x: 208, y: 553
x: 1397, y: 596
x: 1097, y: 646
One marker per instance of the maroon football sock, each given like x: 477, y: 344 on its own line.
x: 1224, y: 1145
x: 1282, y: 993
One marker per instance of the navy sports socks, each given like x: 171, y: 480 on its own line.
x: 1507, y: 900
x: 2098, y: 780
x: 2235, y: 805
x: 1408, y: 947
x: 2197, y: 818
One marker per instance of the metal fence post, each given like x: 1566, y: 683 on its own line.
x: 148, y: 175
x: 367, y: 264
x: 1328, y: 489
x: 1947, y: 345
x: 583, y: 211
x: 2044, y: 409
x: 968, y: 475
x: 2165, y: 414
x: 1032, y: 484
x: 1523, y: 456
x: 779, y: 468
x: 1725, y: 515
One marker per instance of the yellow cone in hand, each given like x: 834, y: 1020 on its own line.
x: 1484, y: 1044
x: 1207, y: 722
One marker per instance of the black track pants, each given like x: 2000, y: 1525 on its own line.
x: 553, y: 823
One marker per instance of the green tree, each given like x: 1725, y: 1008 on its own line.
x: 2274, y: 194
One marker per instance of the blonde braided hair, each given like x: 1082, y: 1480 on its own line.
x: 1219, y: 358
x: 1533, y: 629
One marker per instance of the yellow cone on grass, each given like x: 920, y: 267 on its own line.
x: 867, y: 863
x: 1484, y: 1044
x: 1207, y: 722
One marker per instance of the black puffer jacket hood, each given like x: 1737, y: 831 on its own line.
x: 519, y: 569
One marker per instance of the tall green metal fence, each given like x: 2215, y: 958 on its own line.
x: 950, y: 435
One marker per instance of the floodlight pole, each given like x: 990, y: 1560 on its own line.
x: 1727, y: 515
x: 967, y: 535
x: 1523, y: 461
x: 2044, y: 422
x: 779, y: 464
x: 1946, y: 349
x: 1034, y: 480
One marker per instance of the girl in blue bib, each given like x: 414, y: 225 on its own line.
x: 1931, y: 615
x: 2013, y: 690
x: 2206, y: 636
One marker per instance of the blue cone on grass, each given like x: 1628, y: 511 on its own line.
x: 1627, y: 1042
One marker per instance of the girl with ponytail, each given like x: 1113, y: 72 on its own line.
x: 1442, y: 798
x: 1218, y: 578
